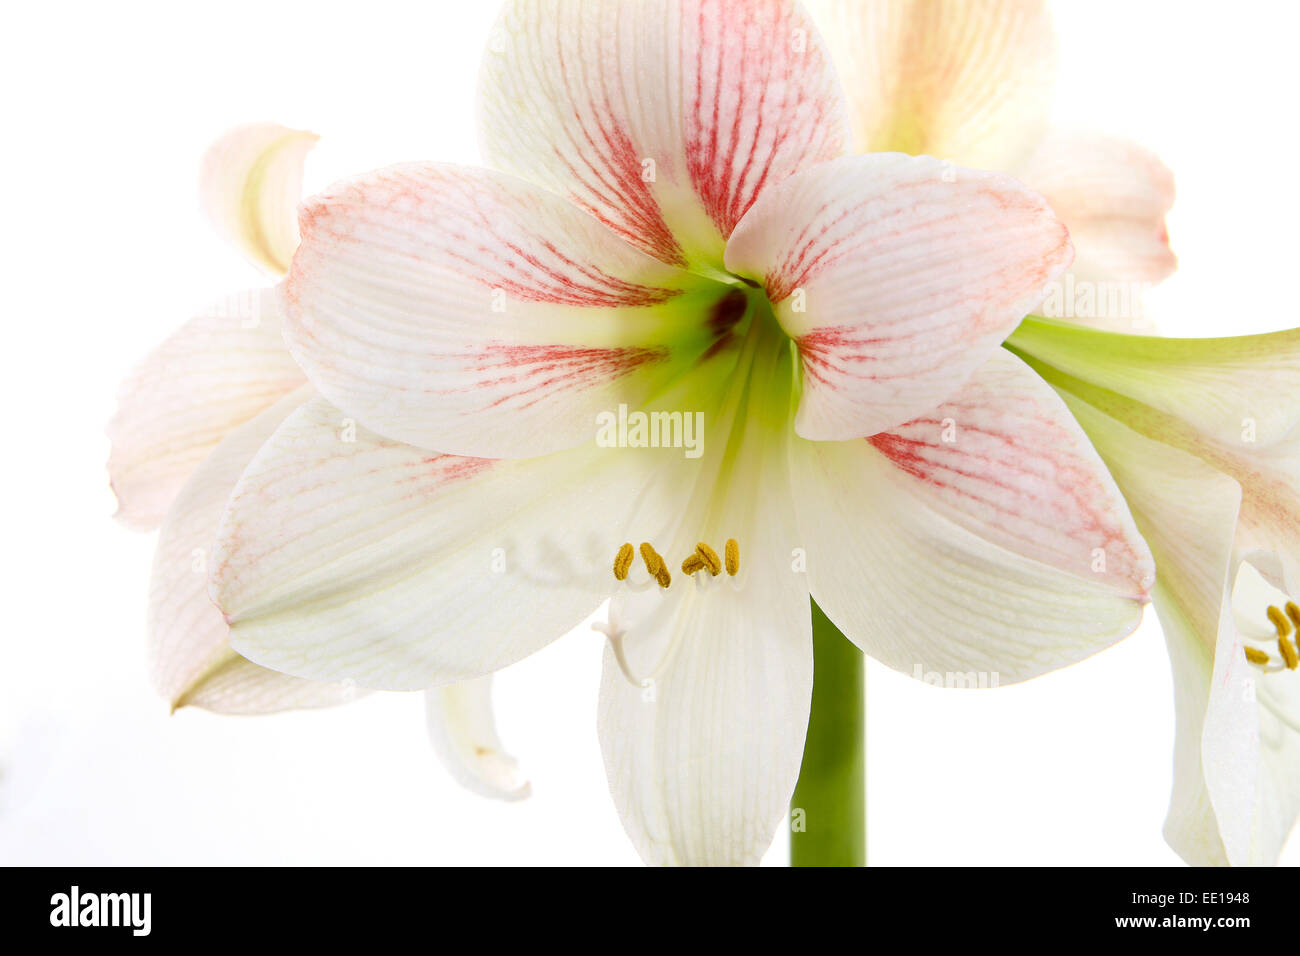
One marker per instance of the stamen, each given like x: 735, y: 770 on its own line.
x: 623, y: 561
x: 1279, y: 620
x: 733, y: 559
x: 1288, y: 652
x: 663, y: 577
x: 1293, y: 612
x: 692, y: 564
x: 653, y: 563
x: 1256, y: 656
x: 710, y: 558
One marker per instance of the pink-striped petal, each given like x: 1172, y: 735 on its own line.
x: 666, y: 118
x: 994, y: 541
x: 469, y: 312
x: 897, y: 277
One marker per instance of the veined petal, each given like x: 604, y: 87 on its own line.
x: 896, y: 281
x: 471, y: 312
x: 665, y: 119
x: 702, y: 722
x: 1113, y: 195
x: 251, y: 182
x: 213, y: 374
x: 345, y: 555
x: 1030, y: 559
x: 190, y: 658
x: 463, y: 732
x: 1187, y: 511
x: 970, y: 82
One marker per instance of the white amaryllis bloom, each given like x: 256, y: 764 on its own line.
x: 1202, y: 437
x: 972, y: 83
x: 189, y: 420
x: 673, y: 227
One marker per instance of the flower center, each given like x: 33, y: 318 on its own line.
x: 1285, y: 624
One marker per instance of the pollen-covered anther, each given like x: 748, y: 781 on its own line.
x: 1282, y: 622
x: 1293, y: 612
x: 692, y: 564
x: 1279, y: 620
x: 709, y: 557
x: 654, y: 563
x: 623, y: 561
x: 1256, y: 656
x: 732, y: 554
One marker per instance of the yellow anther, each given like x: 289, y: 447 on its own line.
x: 653, y: 563
x: 623, y: 561
x: 710, y: 558
x: 1288, y: 652
x: 663, y: 577
x: 1293, y: 612
x: 1256, y: 656
x: 1279, y: 621
x: 692, y: 564
x: 733, y: 557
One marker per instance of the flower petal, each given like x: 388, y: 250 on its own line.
x: 1187, y: 512
x: 1007, y: 551
x: 969, y: 82
x: 703, y: 734
x: 664, y: 119
x: 471, y: 312
x: 251, y: 182
x: 190, y: 658
x: 895, y: 280
x: 216, y: 372
x: 1113, y: 195
x: 345, y: 555
x: 1242, y: 392
x: 464, y: 736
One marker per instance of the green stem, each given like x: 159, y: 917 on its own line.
x: 829, y: 808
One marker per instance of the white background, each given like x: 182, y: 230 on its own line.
x: 107, y: 111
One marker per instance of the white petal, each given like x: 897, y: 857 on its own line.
x: 1001, y: 555
x: 251, y: 183
x: 348, y: 556
x: 1187, y: 511
x: 895, y: 280
x: 665, y: 119
x: 216, y: 372
x: 190, y: 658
x: 965, y: 81
x: 463, y: 732
x: 473, y: 313
x: 703, y: 736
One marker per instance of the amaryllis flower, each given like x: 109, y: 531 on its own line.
x: 972, y: 83
x: 1201, y: 435
x: 673, y: 226
x: 190, y: 419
